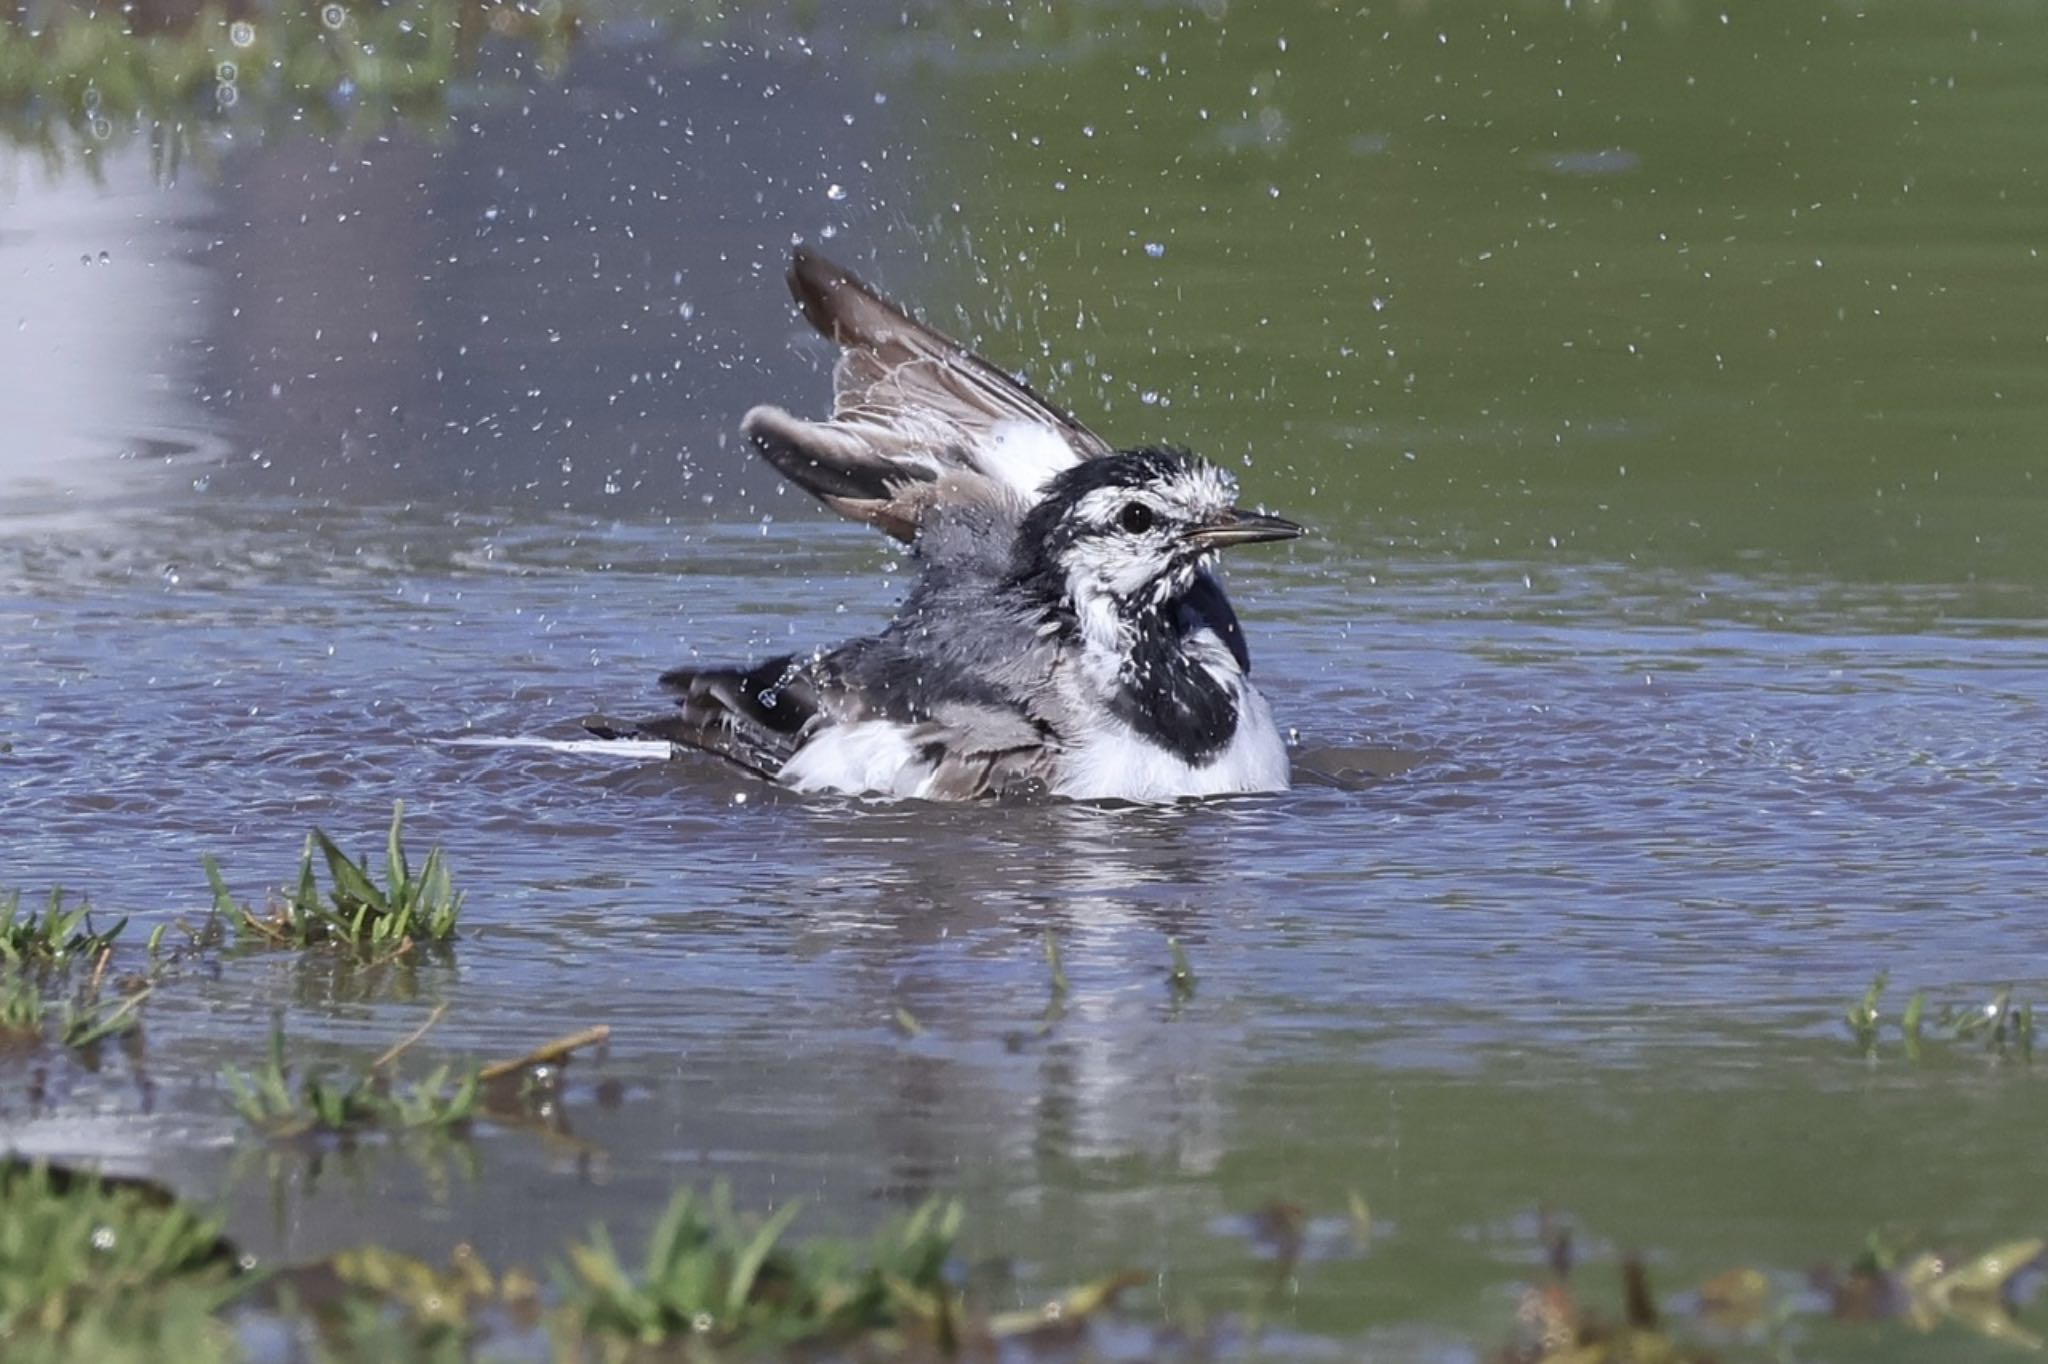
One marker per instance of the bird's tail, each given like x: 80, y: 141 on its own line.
x: 753, y: 717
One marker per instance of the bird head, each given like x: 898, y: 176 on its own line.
x: 1131, y: 530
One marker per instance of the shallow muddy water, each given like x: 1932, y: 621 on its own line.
x: 1666, y: 389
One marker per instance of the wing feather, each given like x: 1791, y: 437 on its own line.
x: 754, y: 718
x: 918, y: 421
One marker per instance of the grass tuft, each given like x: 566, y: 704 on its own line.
x: 713, y: 1277
x: 410, y: 907
x: 21, y: 1010
x: 90, y: 1020
x: 86, y: 1019
x: 1999, y: 1025
x: 88, y: 1268
x: 1863, y: 1016
x: 54, y: 938
x: 324, y: 1103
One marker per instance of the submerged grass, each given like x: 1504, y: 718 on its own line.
x: 324, y: 1102
x: 119, y: 1271
x: 37, y: 955
x: 156, y: 1281
x: 48, y: 995
x: 712, y: 1276
x: 1922, y: 1290
x: 1998, y: 1025
x: 89, y: 1020
x: 21, y: 1010
x: 721, y: 1284
x: 1180, y: 976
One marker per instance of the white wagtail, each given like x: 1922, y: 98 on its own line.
x: 1067, y: 633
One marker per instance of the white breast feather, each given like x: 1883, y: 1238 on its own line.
x: 1112, y: 761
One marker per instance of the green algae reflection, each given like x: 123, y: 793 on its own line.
x: 75, y: 79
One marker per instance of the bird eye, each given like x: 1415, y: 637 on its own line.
x: 1135, y: 518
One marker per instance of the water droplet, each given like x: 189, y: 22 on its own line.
x: 226, y: 73
x: 106, y: 259
x: 1155, y: 249
x: 241, y: 33
x: 85, y: 259
x: 836, y: 193
x: 332, y: 15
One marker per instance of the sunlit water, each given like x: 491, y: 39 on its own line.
x: 1707, y: 689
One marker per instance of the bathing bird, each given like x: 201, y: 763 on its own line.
x: 1066, y: 634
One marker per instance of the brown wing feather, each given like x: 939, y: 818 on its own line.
x: 893, y: 363
x: 912, y: 416
x: 987, y: 751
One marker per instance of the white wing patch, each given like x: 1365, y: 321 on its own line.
x: 1025, y: 456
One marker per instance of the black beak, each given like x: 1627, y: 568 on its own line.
x: 1240, y: 527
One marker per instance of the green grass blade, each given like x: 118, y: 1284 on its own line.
x: 395, y: 872
x: 352, y: 885
x: 748, y: 1266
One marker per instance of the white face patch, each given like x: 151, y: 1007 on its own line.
x: 1112, y: 560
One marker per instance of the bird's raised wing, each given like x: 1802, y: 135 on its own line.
x: 918, y: 420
